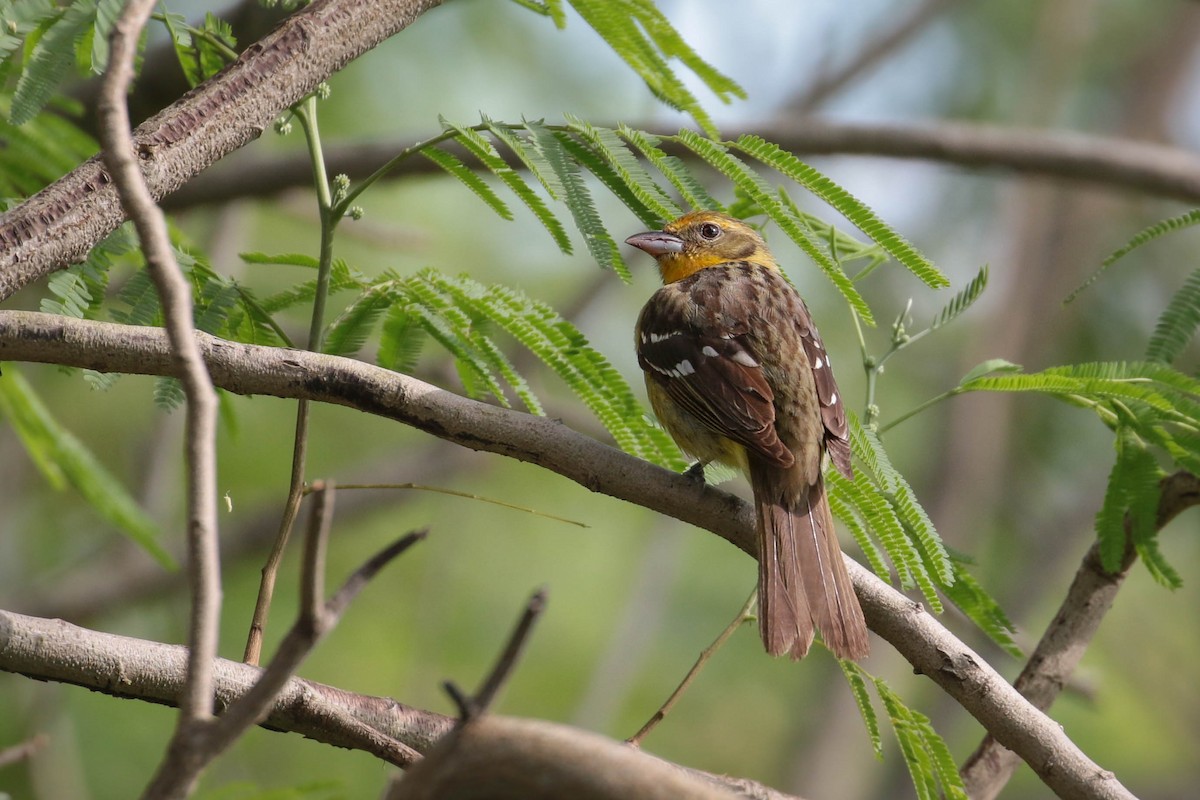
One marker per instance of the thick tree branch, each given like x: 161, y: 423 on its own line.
x: 60, y: 224
x: 1100, y: 160
x: 136, y: 669
x: 247, y: 369
x: 1062, y: 646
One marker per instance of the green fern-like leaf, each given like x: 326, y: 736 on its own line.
x: 633, y: 175
x: 718, y: 156
x: 963, y: 300
x: 281, y: 259
x: 845, y: 204
x: 690, y: 189
x: 930, y: 764
x: 638, y: 32
x: 347, y: 334
x: 402, y: 340
x: 63, y: 459
x: 981, y: 608
x: 450, y: 327
x: 453, y: 165
x: 1131, y: 499
x: 590, y: 160
x: 903, y: 500
x: 843, y: 511
x: 52, y: 59
x: 21, y: 18
x: 471, y: 297
x: 530, y: 156
x: 578, y: 200
x: 1142, y: 237
x: 168, y: 394
x: 857, y: 680
x: 487, y: 154
x: 1178, y: 322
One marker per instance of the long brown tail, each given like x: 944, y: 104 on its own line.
x: 802, y: 580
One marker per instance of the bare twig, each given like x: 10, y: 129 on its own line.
x: 291, y: 509
x: 472, y: 707
x: 829, y: 82
x: 179, y: 770
x: 247, y: 369
x: 1062, y: 646
x: 317, y: 619
x: 511, y: 653
x: 744, y: 613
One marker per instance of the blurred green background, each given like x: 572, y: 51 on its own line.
x: 1013, y: 482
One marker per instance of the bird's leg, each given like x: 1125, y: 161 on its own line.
x: 696, y: 472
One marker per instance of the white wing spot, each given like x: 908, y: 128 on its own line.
x: 655, y: 338
x: 684, y: 368
x: 833, y: 398
x: 709, y: 351
x: 744, y: 358
x: 818, y: 363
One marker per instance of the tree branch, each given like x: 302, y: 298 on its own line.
x: 61, y: 223
x: 247, y: 369
x: 1123, y: 164
x: 1062, y: 646
x: 136, y: 669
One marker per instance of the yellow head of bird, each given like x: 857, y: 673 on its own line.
x: 699, y: 240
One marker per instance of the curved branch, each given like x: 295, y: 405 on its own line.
x: 61, y: 223
x: 136, y: 669
x: 1116, y: 163
x: 248, y: 369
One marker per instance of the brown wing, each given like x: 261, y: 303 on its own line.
x: 833, y: 409
x: 702, y: 357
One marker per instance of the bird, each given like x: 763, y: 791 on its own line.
x: 738, y: 375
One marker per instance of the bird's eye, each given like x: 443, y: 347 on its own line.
x: 710, y: 230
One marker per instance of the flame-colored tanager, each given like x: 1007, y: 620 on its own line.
x: 737, y: 373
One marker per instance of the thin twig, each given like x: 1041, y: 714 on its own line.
x: 291, y: 509
x: 746, y: 612
x: 831, y: 81
x: 471, y: 707
x: 424, y: 487
x: 304, y: 635
x: 180, y: 768
x: 511, y: 653
x: 312, y: 578
x: 306, y: 112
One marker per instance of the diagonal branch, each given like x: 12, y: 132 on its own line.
x: 60, y: 224
x: 247, y: 369
x: 1062, y: 646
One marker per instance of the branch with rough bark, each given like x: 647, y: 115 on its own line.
x: 246, y: 369
x: 61, y: 223
x: 136, y: 669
